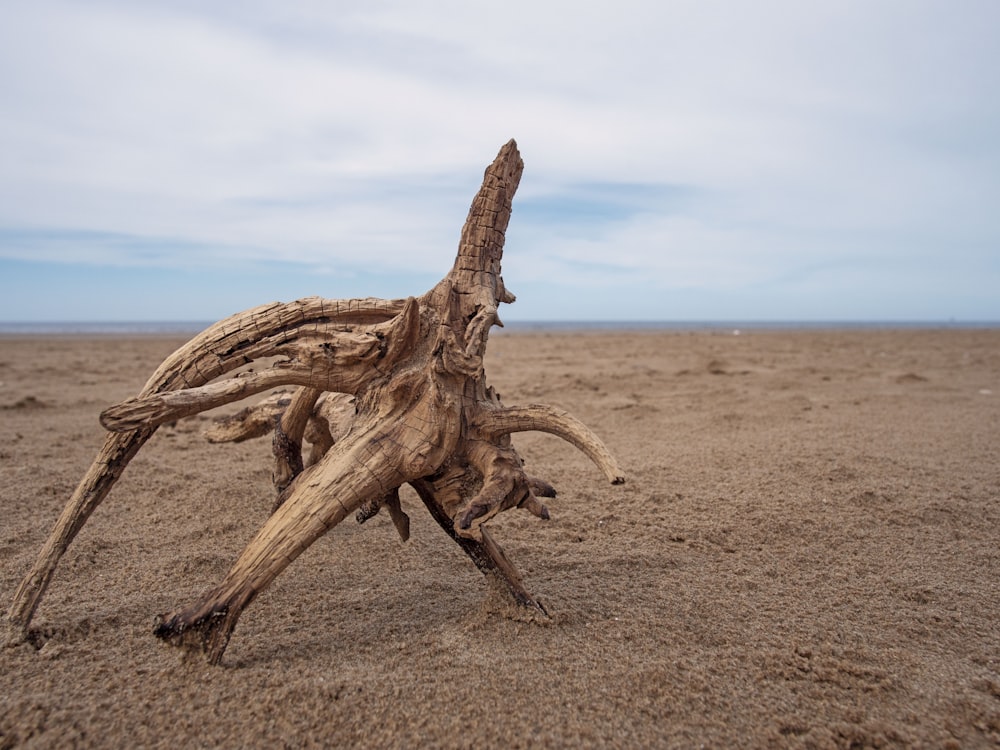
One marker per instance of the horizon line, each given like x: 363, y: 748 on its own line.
x: 167, y: 327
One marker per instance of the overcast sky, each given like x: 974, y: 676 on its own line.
x: 765, y: 160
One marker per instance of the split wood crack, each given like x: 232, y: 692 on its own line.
x: 391, y: 392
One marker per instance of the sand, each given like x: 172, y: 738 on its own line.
x: 806, y: 554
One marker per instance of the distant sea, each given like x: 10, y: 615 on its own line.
x: 173, y: 327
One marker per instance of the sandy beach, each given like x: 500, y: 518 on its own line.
x: 806, y: 554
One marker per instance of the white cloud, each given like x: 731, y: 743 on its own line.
x: 348, y: 135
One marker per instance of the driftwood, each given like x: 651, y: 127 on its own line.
x: 416, y: 409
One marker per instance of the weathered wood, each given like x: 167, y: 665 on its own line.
x: 419, y: 411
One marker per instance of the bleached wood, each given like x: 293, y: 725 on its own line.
x: 544, y: 418
x: 418, y: 411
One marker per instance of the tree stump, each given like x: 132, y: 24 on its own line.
x: 417, y: 410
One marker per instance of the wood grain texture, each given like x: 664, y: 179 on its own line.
x: 423, y: 414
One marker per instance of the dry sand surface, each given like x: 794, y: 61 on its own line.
x: 806, y: 554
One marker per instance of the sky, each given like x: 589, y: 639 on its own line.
x: 684, y: 159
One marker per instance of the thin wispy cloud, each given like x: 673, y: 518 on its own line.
x: 683, y: 159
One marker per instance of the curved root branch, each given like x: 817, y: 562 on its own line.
x: 250, y: 422
x: 400, y: 520
x: 109, y: 464
x: 201, y: 628
x: 286, y: 446
x: 539, y: 417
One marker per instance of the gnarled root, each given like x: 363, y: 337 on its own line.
x: 341, y: 361
x: 505, y: 485
x: 422, y: 413
x: 391, y: 502
x: 322, y: 497
x: 221, y: 348
x: 493, y: 423
x: 370, y: 463
x: 203, y: 627
x: 250, y: 422
x: 289, y: 429
x: 109, y: 464
x: 487, y: 555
